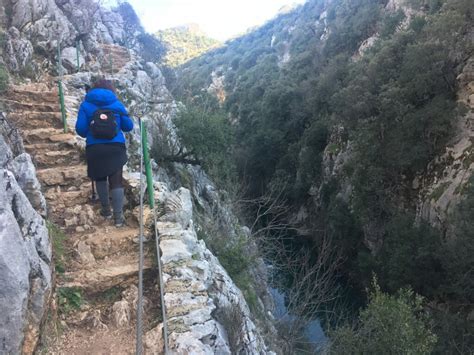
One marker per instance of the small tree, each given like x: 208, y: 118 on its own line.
x: 208, y: 139
x: 389, y: 325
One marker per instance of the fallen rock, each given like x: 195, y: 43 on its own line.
x: 154, y: 342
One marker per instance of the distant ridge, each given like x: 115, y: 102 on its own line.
x: 185, y: 42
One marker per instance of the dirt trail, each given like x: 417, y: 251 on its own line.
x: 95, y: 285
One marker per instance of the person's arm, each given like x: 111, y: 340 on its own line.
x: 82, y: 123
x: 126, y: 123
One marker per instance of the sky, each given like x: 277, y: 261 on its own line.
x: 220, y: 19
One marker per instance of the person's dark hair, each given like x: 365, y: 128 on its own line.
x: 104, y: 84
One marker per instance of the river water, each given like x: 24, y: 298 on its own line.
x: 313, y: 332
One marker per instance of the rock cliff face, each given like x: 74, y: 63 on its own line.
x: 25, y: 250
x: 198, y: 292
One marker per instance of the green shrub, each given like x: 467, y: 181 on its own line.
x: 69, y: 299
x: 410, y: 257
x: 389, y: 325
x: 207, y: 134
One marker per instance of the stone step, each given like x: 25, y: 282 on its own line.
x: 37, y: 149
x: 98, y: 276
x: 76, y: 218
x: 108, y: 241
x: 56, y: 158
x: 27, y: 124
x: 35, y: 87
x: 25, y: 106
x: 68, y: 197
x: 20, y: 95
x: 63, y: 176
x: 47, y: 135
x: 36, y: 115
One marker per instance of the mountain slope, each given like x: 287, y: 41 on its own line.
x: 362, y: 112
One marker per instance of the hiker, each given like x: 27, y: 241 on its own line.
x: 102, y: 119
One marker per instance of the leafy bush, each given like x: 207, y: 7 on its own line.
x: 208, y: 137
x: 389, y: 325
x: 410, y: 257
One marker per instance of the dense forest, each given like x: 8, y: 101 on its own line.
x: 341, y: 105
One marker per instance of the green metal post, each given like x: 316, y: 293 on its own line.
x: 60, y: 88
x: 77, y: 56
x: 146, y: 159
x: 60, y: 72
x: 61, y: 102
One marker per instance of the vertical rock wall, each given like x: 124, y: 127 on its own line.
x: 25, y: 248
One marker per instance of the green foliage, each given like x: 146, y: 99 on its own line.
x: 184, y: 43
x: 385, y: 115
x: 458, y: 250
x: 390, y: 23
x: 454, y: 331
x: 58, y: 239
x: 69, y: 299
x: 408, y: 247
x: 389, y: 325
x: 208, y: 137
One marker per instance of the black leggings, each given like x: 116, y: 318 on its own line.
x: 115, y: 180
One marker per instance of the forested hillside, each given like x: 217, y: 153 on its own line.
x: 360, y: 113
x: 184, y: 43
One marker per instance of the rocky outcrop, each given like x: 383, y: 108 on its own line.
x: 207, y: 312
x: 25, y: 248
x: 441, y: 188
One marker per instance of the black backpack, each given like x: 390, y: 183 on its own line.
x: 103, y: 124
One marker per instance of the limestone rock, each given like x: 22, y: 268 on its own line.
x: 154, y: 342
x: 25, y: 174
x: 179, y: 207
x: 69, y: 59
x: 18, y: 50
x: 25, y: 266
x: 84, y: 253
x: 121, y: 314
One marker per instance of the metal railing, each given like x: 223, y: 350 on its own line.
x: 60, y: 88
x: 145, y: 162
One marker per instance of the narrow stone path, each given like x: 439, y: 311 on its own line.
x: 100, y: 261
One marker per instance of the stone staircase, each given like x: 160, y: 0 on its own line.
x: 99, y: 257
x: 115, y: 57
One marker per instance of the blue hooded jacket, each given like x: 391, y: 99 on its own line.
x: 102, y: 99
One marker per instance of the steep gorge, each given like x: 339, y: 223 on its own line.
x: 361, y: 113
